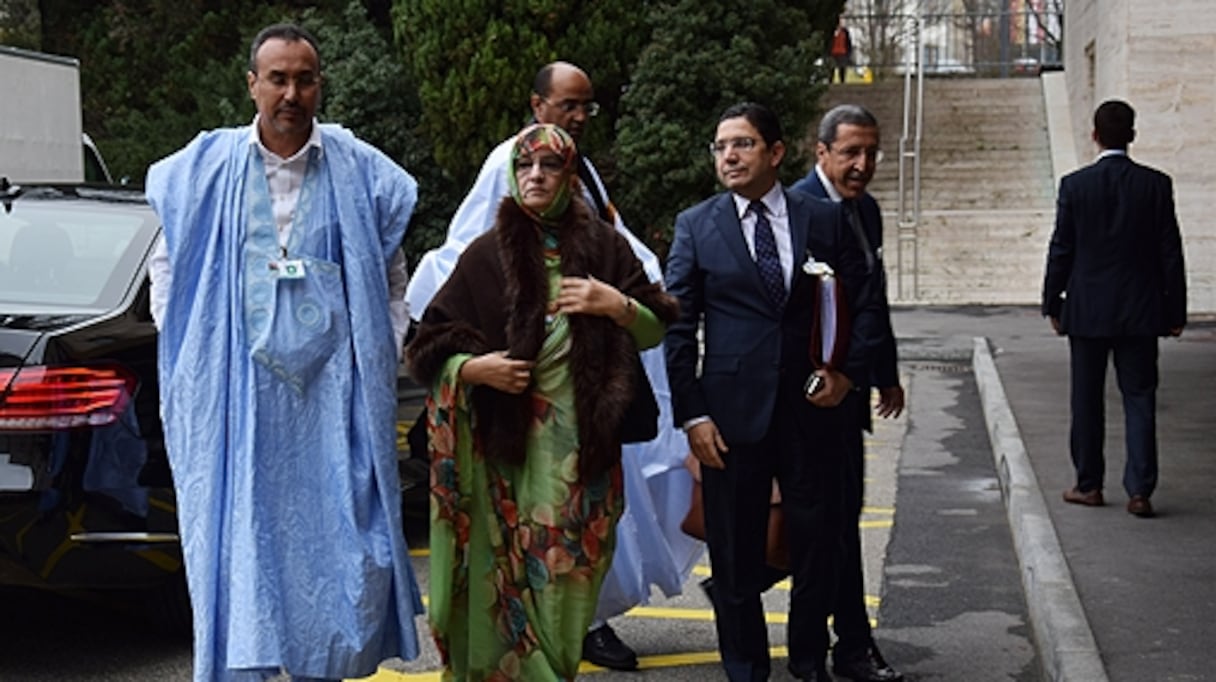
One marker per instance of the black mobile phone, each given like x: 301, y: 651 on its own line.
x: 814, y: 384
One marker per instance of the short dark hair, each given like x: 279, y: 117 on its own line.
x: 761, y: 117
x: 542, y: 84
x: 288, y: 32
x: 1115, y: 124
x: 844, y: 114
x: 544, y: 80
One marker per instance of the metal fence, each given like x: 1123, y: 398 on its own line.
x: 984, y: 44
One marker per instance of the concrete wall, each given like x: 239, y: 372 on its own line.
x: 1159, y: 56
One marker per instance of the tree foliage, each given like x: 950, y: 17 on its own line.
x: 20, y: 24
x: 376, y: 98
x: 457, y: 81
x: 474, y: 62
x: 153, y: 74
x: 702, y: 58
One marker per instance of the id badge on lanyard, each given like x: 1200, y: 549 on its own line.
x: 288, y: 268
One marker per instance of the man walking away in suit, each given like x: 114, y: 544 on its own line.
x: 1115, y: 281
x: 743, y: 266
x: 847, y: 154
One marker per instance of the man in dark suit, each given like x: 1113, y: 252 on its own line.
x: 741, y: 265
x: 1115, y: 281
x: 847, y: 153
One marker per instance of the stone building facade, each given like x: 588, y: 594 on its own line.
x: 1159, y: 56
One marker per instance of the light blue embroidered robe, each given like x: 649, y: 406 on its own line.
x: 278, y: 398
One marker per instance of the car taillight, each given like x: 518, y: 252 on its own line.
x: 41, y: 398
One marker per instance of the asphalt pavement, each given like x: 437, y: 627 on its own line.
x: 1111, y: 596
x: 976, y: 568
x: 982, y: 572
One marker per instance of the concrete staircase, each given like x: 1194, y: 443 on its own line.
x: 987, y: 191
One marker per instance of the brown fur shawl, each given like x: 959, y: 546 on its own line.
x: 496, y: 299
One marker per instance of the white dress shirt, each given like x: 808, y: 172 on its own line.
x: 828, y: 187
x: 779, y: 218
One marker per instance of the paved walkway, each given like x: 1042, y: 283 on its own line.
x: 1111, y: 596
x: 983, y: 572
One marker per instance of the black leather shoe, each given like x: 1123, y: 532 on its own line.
x: 819, y: 674
x: 602, y: 647
x: 866, y: 666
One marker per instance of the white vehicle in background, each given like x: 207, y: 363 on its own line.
x: 41, y: 134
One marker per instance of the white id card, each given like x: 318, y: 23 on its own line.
x: 290, y: 269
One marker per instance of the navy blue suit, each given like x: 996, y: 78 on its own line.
x: 884, y: 370
x: 1116, y: 280
x: 850, y: 619
x: 755, y: 360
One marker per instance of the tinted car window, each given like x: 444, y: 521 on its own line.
x: 71, y: 254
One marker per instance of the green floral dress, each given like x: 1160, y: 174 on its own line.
x: 518, y: 553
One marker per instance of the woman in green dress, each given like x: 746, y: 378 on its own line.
x: 530, y: 350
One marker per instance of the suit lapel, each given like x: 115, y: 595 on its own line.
x: 817, y: 186
x: 726, y: 221
x: 800, y: 223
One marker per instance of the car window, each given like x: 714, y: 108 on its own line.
x: 71, y: 254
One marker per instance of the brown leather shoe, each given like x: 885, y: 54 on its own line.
x: 1140, y: 506
x: 1092, y: 498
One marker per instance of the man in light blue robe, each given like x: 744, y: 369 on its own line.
x: 278, y: 363
x: 651, y: 549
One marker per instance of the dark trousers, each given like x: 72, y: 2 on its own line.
x: 850, y: 620
x: 842, y: 66
x: 1136, y: 373
x: 804, y: 455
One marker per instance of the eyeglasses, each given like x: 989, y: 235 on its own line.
x: 743, y: 144
x: 872, y: 154
x: 549, y: 165
x: 569, y: 106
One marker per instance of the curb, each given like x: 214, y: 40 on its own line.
x: 1067, y: 649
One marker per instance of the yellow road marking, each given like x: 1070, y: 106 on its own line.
x: 670, y: 613
x: 693, y: 614
x: 884, y: 523
x: 663, y: 660
x: 644, y: 663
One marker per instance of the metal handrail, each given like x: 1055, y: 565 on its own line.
x: 909, y: 219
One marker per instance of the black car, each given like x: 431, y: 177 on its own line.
x: 86, y: 495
